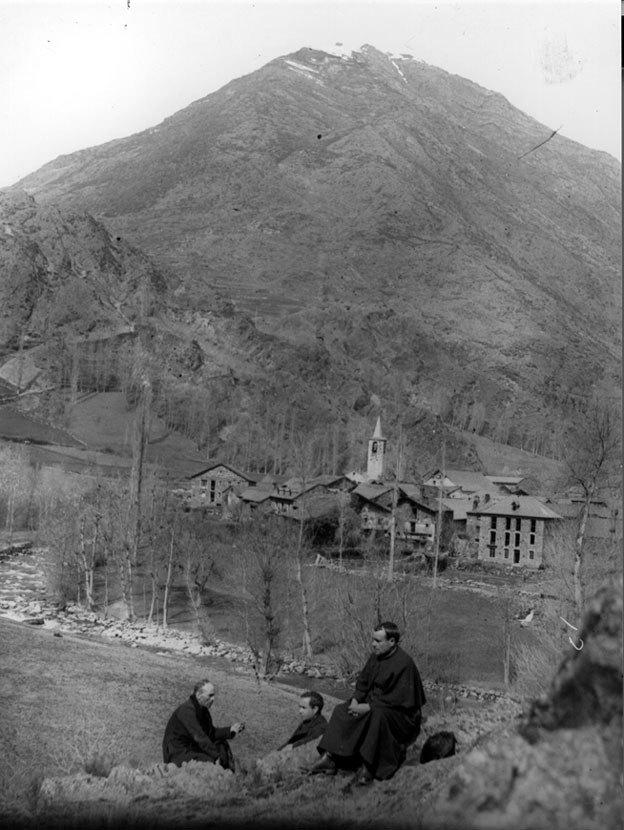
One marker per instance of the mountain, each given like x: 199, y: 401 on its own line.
x: 391, y: 228
x: 64, y: 275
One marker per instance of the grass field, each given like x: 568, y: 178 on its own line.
x: 67, y: 699
x: 456, y: 635
x: 74, y: 705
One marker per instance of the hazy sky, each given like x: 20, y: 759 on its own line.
x: 77, y: 74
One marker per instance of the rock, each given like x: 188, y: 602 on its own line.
x: 118, y: 610
x: 588, y: 685
x: 288, y: 762
x: 124, y: 785
x: 560, y: 764
x: 34, y: 621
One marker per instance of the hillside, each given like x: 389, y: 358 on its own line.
x: 395, y: 240
x: 85, y: 753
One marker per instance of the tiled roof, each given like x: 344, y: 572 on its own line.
x: 255, y: 494
x: 469, y: 480
x: 527, y: 507
x: 505, y: 479
x: 246, y: 476
x: 370, y: 492
x: 459, y: 508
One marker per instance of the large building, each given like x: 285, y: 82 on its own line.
x: 512, y: 530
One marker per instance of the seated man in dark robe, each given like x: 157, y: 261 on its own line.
x: 191, y: 736
x: 312, y: 724
x: 375, y: 727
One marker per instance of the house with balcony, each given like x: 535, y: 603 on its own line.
x: 415, y: 518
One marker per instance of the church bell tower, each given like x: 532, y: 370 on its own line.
x: 376, y: 454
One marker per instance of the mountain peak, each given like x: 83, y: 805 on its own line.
x: 391, y: 209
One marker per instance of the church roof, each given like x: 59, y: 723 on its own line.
x: 377, y: 434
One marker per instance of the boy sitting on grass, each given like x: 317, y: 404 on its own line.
x: 312, y: 725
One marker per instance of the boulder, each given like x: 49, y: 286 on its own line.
x: 287, y: 763
x: 118, y: 610
x: 559, y: 766
x: 125, y: 784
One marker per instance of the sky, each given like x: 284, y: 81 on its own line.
x: 77, y: 74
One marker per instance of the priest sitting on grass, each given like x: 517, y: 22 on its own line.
x: 191, y: 736
x: 372, y: 731
x: 312, y: 724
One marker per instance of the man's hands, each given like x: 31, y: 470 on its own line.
x: 355, y: 709
x: 235, y: 728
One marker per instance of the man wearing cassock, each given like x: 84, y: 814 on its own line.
x: 190, y: 734
x: 375, y: 727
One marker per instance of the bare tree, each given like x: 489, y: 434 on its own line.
x: 171, y: 550
x: 258, y: 574
x: 595, y: 455
x: 303, y: 451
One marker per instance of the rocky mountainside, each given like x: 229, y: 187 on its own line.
x: 63, y: 273
x: 393, y: 233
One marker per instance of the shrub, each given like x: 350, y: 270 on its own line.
x: 536, y: 664
x: 88, y: 748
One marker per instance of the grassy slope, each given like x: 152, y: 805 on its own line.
x: 504, y: 459
x: 65, y: 698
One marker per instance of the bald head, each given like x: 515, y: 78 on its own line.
x: 205, y: 693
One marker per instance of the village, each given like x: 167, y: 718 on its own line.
x: 489, y: 517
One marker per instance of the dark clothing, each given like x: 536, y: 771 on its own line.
x: 392, y: 687
x: 191, y: 736
x: 307, y: 730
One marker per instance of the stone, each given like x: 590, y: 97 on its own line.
x: 559, y: 764
x: 288, y: 762
x: 588, y: 685
x: 118, y: 610
x: 125, y: 785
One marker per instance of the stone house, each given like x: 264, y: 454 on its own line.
x: 373, y: 504
x: 414, y: 517
x: 461, y: 484
x: 512, y: 530
x: 209, y: 485
x: 291, y: 497
x: 517, y: 485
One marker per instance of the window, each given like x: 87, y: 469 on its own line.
x: 492, y: 549
x: 506, y: 553
x: 507, y: 538
x: 531, y: 554
x: 493, y: 537
x: 516, y: 539
x: 518, y: 524
x: 493, y: 522
x: 508, y: 523
x: 533, y: 525
x: 532, y: 539
x: 516, y: 558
